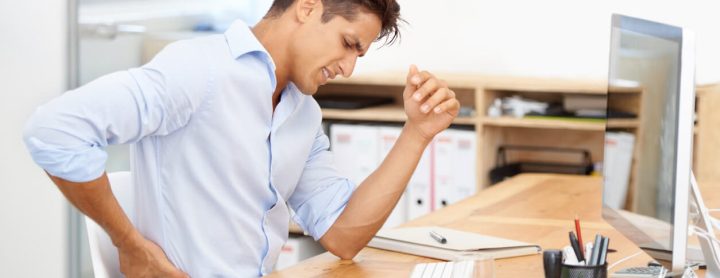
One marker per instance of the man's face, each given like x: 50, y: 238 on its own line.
x: 323, y: 50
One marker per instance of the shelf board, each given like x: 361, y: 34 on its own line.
x: 623, y: 123
x: 385, y: 113
x: 579, y: 124
x: 625, y: 90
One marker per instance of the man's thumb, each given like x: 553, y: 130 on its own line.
x: 413, y: 78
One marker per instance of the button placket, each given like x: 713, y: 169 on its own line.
x: 275, y: 225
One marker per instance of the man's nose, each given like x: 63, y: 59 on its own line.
x: 347, y: 65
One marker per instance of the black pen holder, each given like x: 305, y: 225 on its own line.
x: 583, y: 271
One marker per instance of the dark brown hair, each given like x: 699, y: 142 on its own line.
x: 387, y: 10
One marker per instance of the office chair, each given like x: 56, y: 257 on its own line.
x: 105, y: 260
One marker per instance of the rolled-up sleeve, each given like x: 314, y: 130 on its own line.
x: 68, y: 135
x: 321, y: 194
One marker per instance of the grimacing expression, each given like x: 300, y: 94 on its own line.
x: 324, y: 50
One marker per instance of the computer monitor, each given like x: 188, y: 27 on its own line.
x: 648, y: 202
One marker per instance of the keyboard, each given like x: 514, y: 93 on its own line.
x: 640, y: 272
x: 458, y: 269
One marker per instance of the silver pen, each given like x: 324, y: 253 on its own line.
x: 438, y: 237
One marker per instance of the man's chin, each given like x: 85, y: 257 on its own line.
x: 309, y: 90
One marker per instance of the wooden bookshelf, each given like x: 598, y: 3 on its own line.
x: 477, y: 92
x: 551, y: 132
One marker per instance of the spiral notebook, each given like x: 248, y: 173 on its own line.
x: 460, y: 245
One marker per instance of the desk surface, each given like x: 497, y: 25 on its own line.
x: 536, y: 208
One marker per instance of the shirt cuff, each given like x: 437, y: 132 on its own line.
x: 323, y: 225
x: 75, y: 165
x: 318, y: 215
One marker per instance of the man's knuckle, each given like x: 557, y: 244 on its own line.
x: 423, y: 91
x: 446, y: 93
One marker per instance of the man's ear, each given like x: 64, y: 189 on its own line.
x: 305, y: 9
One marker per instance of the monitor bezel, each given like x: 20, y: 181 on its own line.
x: 685, y: 124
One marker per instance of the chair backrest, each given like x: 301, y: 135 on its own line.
x: 105, y: 260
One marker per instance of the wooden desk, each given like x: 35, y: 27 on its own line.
x: 536, y: 208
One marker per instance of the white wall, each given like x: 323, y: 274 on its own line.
x: 556, y: 38
x: 33, y: 230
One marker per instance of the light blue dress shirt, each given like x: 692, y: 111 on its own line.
x: 214, y: 168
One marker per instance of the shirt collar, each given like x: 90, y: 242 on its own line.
x: 242, y: 41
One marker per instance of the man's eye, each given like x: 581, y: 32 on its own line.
x: 346, y: 44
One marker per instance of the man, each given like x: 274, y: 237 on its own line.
x: 226, y: 135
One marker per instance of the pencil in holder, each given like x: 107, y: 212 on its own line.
x: 583, y: 271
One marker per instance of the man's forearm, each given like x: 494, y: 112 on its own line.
x: 373, y: 201
x: 96, y: 200
x: 431, y: 107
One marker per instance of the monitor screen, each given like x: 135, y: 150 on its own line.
x: 642, y: 158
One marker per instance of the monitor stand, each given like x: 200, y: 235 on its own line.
x: 708, y: 241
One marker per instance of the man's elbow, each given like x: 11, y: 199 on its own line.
x: 345, y: 252
x: 35, y: 132
x: 37, y: 136
x: 60, y: 152
x: 344, y: 249
x: 29, y: 129
x: 343, y: 243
